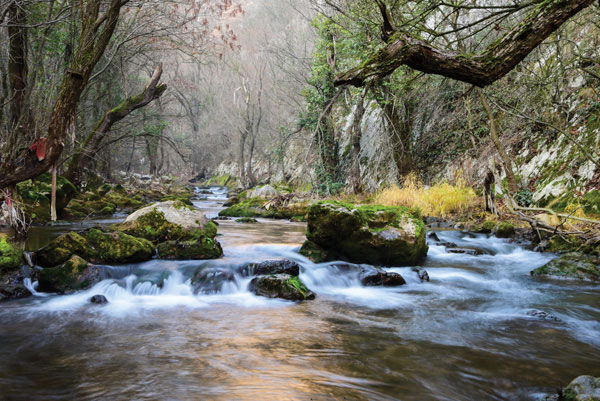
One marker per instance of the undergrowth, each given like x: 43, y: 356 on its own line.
x: 439, y: 200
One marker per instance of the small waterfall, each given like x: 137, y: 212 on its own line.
x: 32, y: 286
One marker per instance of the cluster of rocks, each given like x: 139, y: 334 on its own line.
x: 169, y: 230
x: 266, y: 201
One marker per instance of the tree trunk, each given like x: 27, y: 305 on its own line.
x: 96, y: 30
x: 93, y: 141
x: 53, y: 216
x: 359, y: 112
x: 481, y: 70
x: 513, y: 187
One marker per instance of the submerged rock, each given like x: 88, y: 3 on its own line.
x: 540, y: 314
x: 465, y: 251
x: 99, y: 299
x: 422, y: 274
x: 583, y: 388
x: 246, y: 220
x: 271, y: 267
x: 282, y: 286
x: 73, y: 275
x: 390, y: 236
x: 210, y: 280
x: 371, y: 276
x: 572, y: 265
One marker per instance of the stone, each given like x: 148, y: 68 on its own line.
x: 422, y: 274
x: 12, y: 282
x: 246, y: 220
x: 117, y: 247
x: 572, y: 265
x: 540, y: 314
x: 196, y: 249
x: 210, y: 280
x: 61, y: 249
x: 582, y: 388
x: 73, y: 275
x: 504, y: 230
x: 371, y: 276
x: 378, y: 235
x: 99, y: 299
x: 174, y: 212
x: 465, y: 251
x: 282, y: 286
x: 271, y: 267
x: 265, y: 192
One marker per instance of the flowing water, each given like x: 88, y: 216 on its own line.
x: 465, y: 335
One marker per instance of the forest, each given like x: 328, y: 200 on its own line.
x: 300, y: 199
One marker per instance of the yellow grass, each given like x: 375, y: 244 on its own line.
x: 439, y: 200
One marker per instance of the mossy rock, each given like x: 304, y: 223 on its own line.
x: 256, y: 207
x: 73, y: 275
x: 203, y: 248
x: 559, y: 244
x: 485, y: 227
x: 378, y: 235
x: 246, y: 220
x: 153, y: 224
x: 117, y: 247
x: 582, y: 388
x: 61, y: 249
x: 36, y: 195
x: 185, y: 199
x: 104, y: 189
x: 504, y: 230
x: 572, y: 265
x: 10, y: 257
x: 281, y: 286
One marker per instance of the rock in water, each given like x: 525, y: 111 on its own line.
x: 540, y: 314
x: 583, y: 388
x: 73, y: 275
x: 174, y: 212
x: 203, y: 248
x: 371, y: 276
x: 271, y: 267
x: 210, y: 280
x: 379, y: 235
x: 98, y: 299
x: 572, y: 265
x: 282, y: 286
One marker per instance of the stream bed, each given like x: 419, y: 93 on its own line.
x: 468, y: 334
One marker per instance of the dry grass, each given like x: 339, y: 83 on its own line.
x: 440, y: 200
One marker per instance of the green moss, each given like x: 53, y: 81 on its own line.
x: 504, y: 230
x: 104, y: 189
x: 564, y: 244
x: 203, y: 248
x: 255, y: 207
x: 571, y: 265
x: 486, y: 227
x: 10, y: 257
x: 295, y: 282
x: 61, y: 249
x: 117, y: 247
x: 247, y: 220
x: 182, y: 199
x: 68, y: 276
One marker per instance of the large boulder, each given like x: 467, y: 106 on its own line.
x: 265, y: 192
x: 95, y: 245
x: 572, y: 265
x: 168, y: 221
x: 282, y: 286
x: 380, y: 235
x: 73, y: 275
x: 10, y: 257
x: 583, y: 388
x: 196, y: 249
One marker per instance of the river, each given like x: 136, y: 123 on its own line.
x: 465, y: 335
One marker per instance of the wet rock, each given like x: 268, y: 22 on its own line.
x: 371, y: 276
x: 465, y: 251
x: 61, y: 249
x: 572, y: 265
x: 540, y: 314
x: 73, y: 275
x: 422, y: 274
x: 10, y: 257
x: 12, y: 282
x: 36, y: 195
x: 389, y: 236
x: 271, y: 267
x: 485, y: 227
x: 433, y: 236
x: 99, y: 299
x: 246, y: 220
x: 583, y: 388
x: 211, y: 280
x: 219, y: 218
x: 282, y: 286
x: 197, y: 249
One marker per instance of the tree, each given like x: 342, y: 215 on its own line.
x: 499, y: 58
